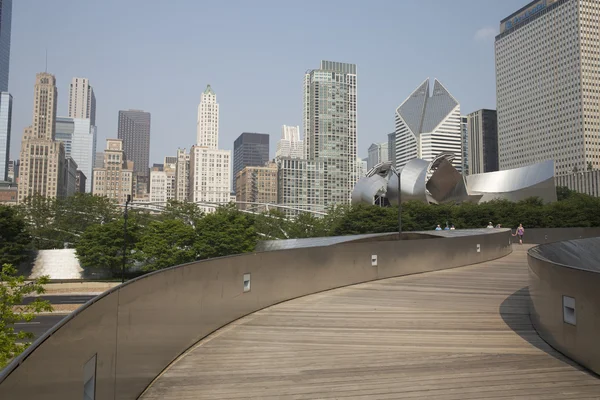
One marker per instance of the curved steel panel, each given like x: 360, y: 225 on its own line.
x: 413, y: 176
x: 515, y: 184
x: 568, y: 270
x: 138, y: 328
x: 367, y: 188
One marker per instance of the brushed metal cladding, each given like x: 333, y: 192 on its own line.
x: 412, y: 177
x: 549, y: 235
x: 140, y: 327
x: 447, y: 185
x: 550, y: 280
x: 516, y: 184
x: 367, y: 188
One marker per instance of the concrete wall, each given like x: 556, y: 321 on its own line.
x: 139, y: 328
x: 550, y: 280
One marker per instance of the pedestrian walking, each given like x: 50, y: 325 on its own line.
x: 520, y: 233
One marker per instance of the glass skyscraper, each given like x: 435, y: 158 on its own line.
x: 79, y: 138
x: 5, y: 17
x: 250, y: 150
x: 5, y: 120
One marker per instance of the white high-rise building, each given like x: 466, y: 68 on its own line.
x: 182, y: 175
x: 290, y: 144
x: 548, y: 84
x: 428, y: 125
x: 207, y: 128
x: 163, y: 182
x: 82, y: 101
x: 378, y: 153
x: 79, y: 138
x: 210, y: 178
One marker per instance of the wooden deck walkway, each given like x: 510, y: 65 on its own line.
x: 456, y: 334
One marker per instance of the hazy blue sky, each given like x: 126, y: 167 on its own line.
x: 159, y: 55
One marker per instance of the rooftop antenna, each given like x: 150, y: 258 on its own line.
x: 46, y: 60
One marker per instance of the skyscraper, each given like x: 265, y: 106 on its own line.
x: 79, y: 138
x: 547, y: 83
x: 5, y: 22
x: 116, y: 178
x: 250, y: 150
x: 82, y: 101
x: 42, y: 158
x: 482, y: 138
x: 378, y: 152
x: 464, y: 120
x: 134, y: 130
x: 209, y: 167
x: 207, y: 126
x: 330, y: 129
x: 182, y: 175
x: 392, y: 147
x: 256, y: 184
x: 5, y: 128
x: 428, y: 125
x: 290, y: 144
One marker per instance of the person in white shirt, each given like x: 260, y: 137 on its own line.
x: 490, y: 225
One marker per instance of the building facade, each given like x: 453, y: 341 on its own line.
x: 210, y: 179
x: 361, y: 167
x: 116, y: 179
x: 547, y: 83
x: 428, y: 125
x: 482, y: 141
x: 5, y: 28
x: 79, y: 137
x: 250, y: 150
x: 378, y: 153
x: 587, y: 182
x: 207, y: 124
x: 392, y: 147
x: 42, y: 157
x: 80, y: 181
x: 464, y: 124
x: 5, y: 129
x: 182, y: 176
x: 82, y: 101
x: 290, y: 145
x: 70, y: 177
x: 134, y: 131
x: 13, y: 171
x: 163, y: 181
x: 256, y: 185
x: 330, y: 99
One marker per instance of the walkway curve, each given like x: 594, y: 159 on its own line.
x: 456, y: 334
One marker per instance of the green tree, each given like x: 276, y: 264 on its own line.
x: 74, y: 214
x: 13, y: 288
x: 563, y: 193
x: 272, y: 225
x: 361, y: 219
x: 39, y: 212
x: 590, y: 167
x: 188, y: 212
x: 166, y: 243
x: 101, y: 245
x: 14, y: 238
x: 306, y: 225
x: 225, y: 232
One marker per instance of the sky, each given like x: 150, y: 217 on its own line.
x: 158, y: 56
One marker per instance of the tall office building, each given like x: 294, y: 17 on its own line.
x: 134, y: 130
x: 79, y: 138
x: 5, y: 128
x: 207, y: 125
x: 330, y: 94
x: 290, y: 144
x: 256, y: 184
x: 82, y: 101
x: 42, y: 157
x: 547, y: 84
x: 378, y: 153
x: 210, y: 179
x: 163, y: 181
x: 392, y: 147
x: 116, y: 178
x: 482, y: 141
x: 182, y: 175
x: 428, y: 125
x: 250, y: 150
x: 5, y: 22
x: 361, y: 167
x: 464, y: 121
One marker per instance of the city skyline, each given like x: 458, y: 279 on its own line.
x: 249, y: 106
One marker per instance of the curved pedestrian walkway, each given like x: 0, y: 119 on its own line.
x: 456, y: 334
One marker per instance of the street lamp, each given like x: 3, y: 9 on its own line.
x: 399, y: 174
x: 125, y: 239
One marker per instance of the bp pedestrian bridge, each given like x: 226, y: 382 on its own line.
x: 444, y: 315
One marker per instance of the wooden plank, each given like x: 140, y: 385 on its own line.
x: 456, y: 334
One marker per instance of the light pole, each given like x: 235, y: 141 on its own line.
x: 125, y: 240
x: 398, y: 174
